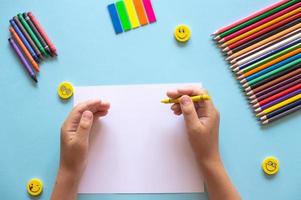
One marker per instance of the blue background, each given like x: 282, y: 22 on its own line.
x: 91, y: 54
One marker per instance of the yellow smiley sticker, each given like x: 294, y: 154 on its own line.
x: 65, y: 90
x: 182, y: 33
x: 34, y: 187
x: 270, y: 165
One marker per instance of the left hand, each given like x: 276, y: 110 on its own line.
x: 75, y: 134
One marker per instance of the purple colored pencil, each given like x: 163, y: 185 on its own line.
x: 281, y: 99
x: 278, y: 90
x: 27, y: 66
x: 274, y: 87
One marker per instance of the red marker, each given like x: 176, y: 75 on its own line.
x: 43, y: 33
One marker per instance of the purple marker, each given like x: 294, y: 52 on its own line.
x: 28, y: 68
x: 281, y: 99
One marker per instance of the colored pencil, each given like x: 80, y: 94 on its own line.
x: 252, y: 95
x: 281, y: 110
x: 271, y: 60
x: 279, y: 105
x: 36, y: 32
x: 258, y: 18
x: 269, y: 21
x: 271, y: 78
x: 241, y: 65
x: 278, y: 61
x: 266, y: 47
x: 269, y: 39
x: 23, y: 59
x: 276, y: 96
x: 25, y: 42
x: 264, y: 31
x: 257, y: 88
x: 28, y: 38
x: 267, y: 35
x: 253, y: 15
x: 276, y: 101
x: 43, y: 34
x: 283, y: 114
x: 274, y: 92
x: 32, y: 35
x: 276, y: 71
x: 24, y: 49
x: 271, y: 68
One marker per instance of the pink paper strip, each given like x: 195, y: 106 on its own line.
x: 149, y: 11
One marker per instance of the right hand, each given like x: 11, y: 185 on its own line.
x: 202, y: 123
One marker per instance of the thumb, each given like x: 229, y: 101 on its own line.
x: 85, y: 124
x: 189, y: 112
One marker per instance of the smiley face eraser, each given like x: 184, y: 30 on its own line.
x: 34, y: 187
x: 270, y: 165
x: 182, y: 33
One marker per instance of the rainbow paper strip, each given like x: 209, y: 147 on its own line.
x: 131, y: 14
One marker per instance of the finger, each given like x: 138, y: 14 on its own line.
x: 101, y: 114
x: 191, y: 91
x: 177, y: 112
x: 189, y: 113
x: 75, y: 115
x: 176, y: 107
x: 84, y: 127
x: 173, y: 94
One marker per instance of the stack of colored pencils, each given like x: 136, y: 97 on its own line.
x: 30, y: 42
x: 264, y: 51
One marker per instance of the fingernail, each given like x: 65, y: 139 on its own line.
x: 185, y: 100
x: 87, y: 115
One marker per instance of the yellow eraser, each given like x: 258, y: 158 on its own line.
x: 34, y: 187
x: 65, y: 90
x: 182, y: 33
x: 270, y: 165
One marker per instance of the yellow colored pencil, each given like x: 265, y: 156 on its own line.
x: 193, y: 98
x: 280, y: 105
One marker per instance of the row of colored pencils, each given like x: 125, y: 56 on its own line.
x: 264, y: 52
x: 30, y: 42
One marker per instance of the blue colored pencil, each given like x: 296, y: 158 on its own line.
x: 275, y: 66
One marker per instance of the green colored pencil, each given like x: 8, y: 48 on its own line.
x: 268, y: 59
x: 32, y: 35
x: 258, y: 18
x: 271, y: 73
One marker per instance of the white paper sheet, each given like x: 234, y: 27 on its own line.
x: 141, y: 146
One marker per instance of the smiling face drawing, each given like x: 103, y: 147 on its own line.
x: 270, y: 165
x: 182, y: 33
x: 34, y: 187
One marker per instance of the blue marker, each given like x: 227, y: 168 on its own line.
x: 275, y: 66
x: 115, y: 18
x: 25, y: 42
x: 270, y: 53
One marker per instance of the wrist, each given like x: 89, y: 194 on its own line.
x: 68, y: 176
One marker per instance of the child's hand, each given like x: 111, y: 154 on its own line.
x: 202, y: 123
x: 75, y: 134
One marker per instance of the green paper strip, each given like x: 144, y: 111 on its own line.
x: 123, y: 15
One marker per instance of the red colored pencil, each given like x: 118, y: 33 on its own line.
x: 276, y: 96
x: 43, y: 33
x: 253, y: 15
x: 266, y: 30
x: 261, y: 22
